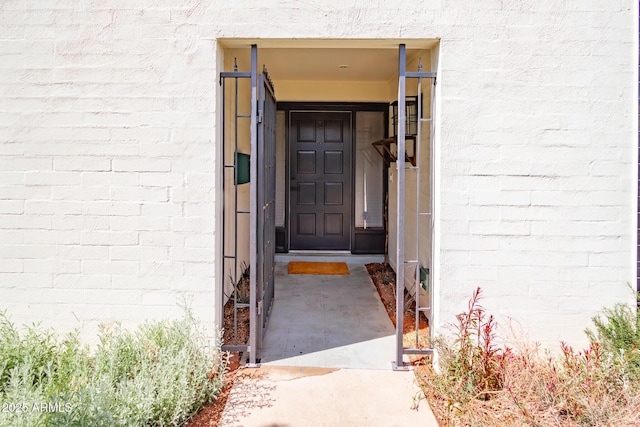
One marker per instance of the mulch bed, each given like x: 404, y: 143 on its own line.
x: 210, y: 415
x: 384, y: 278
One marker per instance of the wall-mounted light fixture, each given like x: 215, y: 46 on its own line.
x: 411, y: 116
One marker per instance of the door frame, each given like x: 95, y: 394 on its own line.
x: 356, y: 235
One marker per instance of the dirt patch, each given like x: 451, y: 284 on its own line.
x: 231, y: 336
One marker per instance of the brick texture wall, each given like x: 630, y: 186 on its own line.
x: 107, y: 129
x: 108, y: 167
x: 538, y: 157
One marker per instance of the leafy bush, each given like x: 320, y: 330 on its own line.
x: 619, y: 333
x: 482, y: 384
x: 161, y: 374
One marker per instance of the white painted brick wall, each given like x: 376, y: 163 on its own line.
x: 108, y: 167
x: 544, y: 144
x: 107, y: 129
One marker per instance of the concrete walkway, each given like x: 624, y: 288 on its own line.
x: 326, y: 360
x: 332, y: 321
x: 277, y: 396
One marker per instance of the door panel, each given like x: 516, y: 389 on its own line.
x: 320, y: 180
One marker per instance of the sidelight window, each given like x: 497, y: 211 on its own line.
x: 369, y: 176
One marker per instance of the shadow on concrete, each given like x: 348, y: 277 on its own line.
x: 249, y: 394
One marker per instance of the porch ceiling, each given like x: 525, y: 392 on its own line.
x: 331, y: 64
x: 329, y: 60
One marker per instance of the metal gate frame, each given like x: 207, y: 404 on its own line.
x: 262, y: 123
x: 263, y: 205
x: 403, y: 74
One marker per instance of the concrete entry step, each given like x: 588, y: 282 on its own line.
x: 320, y: 256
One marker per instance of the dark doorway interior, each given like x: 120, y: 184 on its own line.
x: 328, y: 159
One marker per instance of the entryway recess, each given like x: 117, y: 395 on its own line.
x: 321, y: 189
x: 262, y: 176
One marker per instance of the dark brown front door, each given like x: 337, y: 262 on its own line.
x: 320, y: 180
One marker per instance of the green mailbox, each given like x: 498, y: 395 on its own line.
x: 243, y: 167
x: 424, y: 278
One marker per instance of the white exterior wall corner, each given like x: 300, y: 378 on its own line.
x: 109, y: 164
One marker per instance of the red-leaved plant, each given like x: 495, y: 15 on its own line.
x: 481, y: 383
x: 477, y: 362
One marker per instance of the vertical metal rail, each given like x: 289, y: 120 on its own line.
x: 429, y: 215
x: 431, y: 204
x: 253, y: 216
x: 400, y: 232
x: 418, y: 202
x: 267, y: 138
x: 260, y: 201
x: 224, y: 189
x: 400, y: 167
x: 235, y: 203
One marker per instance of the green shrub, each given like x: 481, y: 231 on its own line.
x: 618, y: 332
x: 161, y: 374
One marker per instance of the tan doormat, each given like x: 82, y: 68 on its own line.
x: 303, y: 267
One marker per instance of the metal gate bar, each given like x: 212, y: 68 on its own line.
x: 400, y: 164
x: 418, y: 307
x: 253, y: 216
x: 400, y: 231
x: 267, y: 162
x: 265, y: 203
